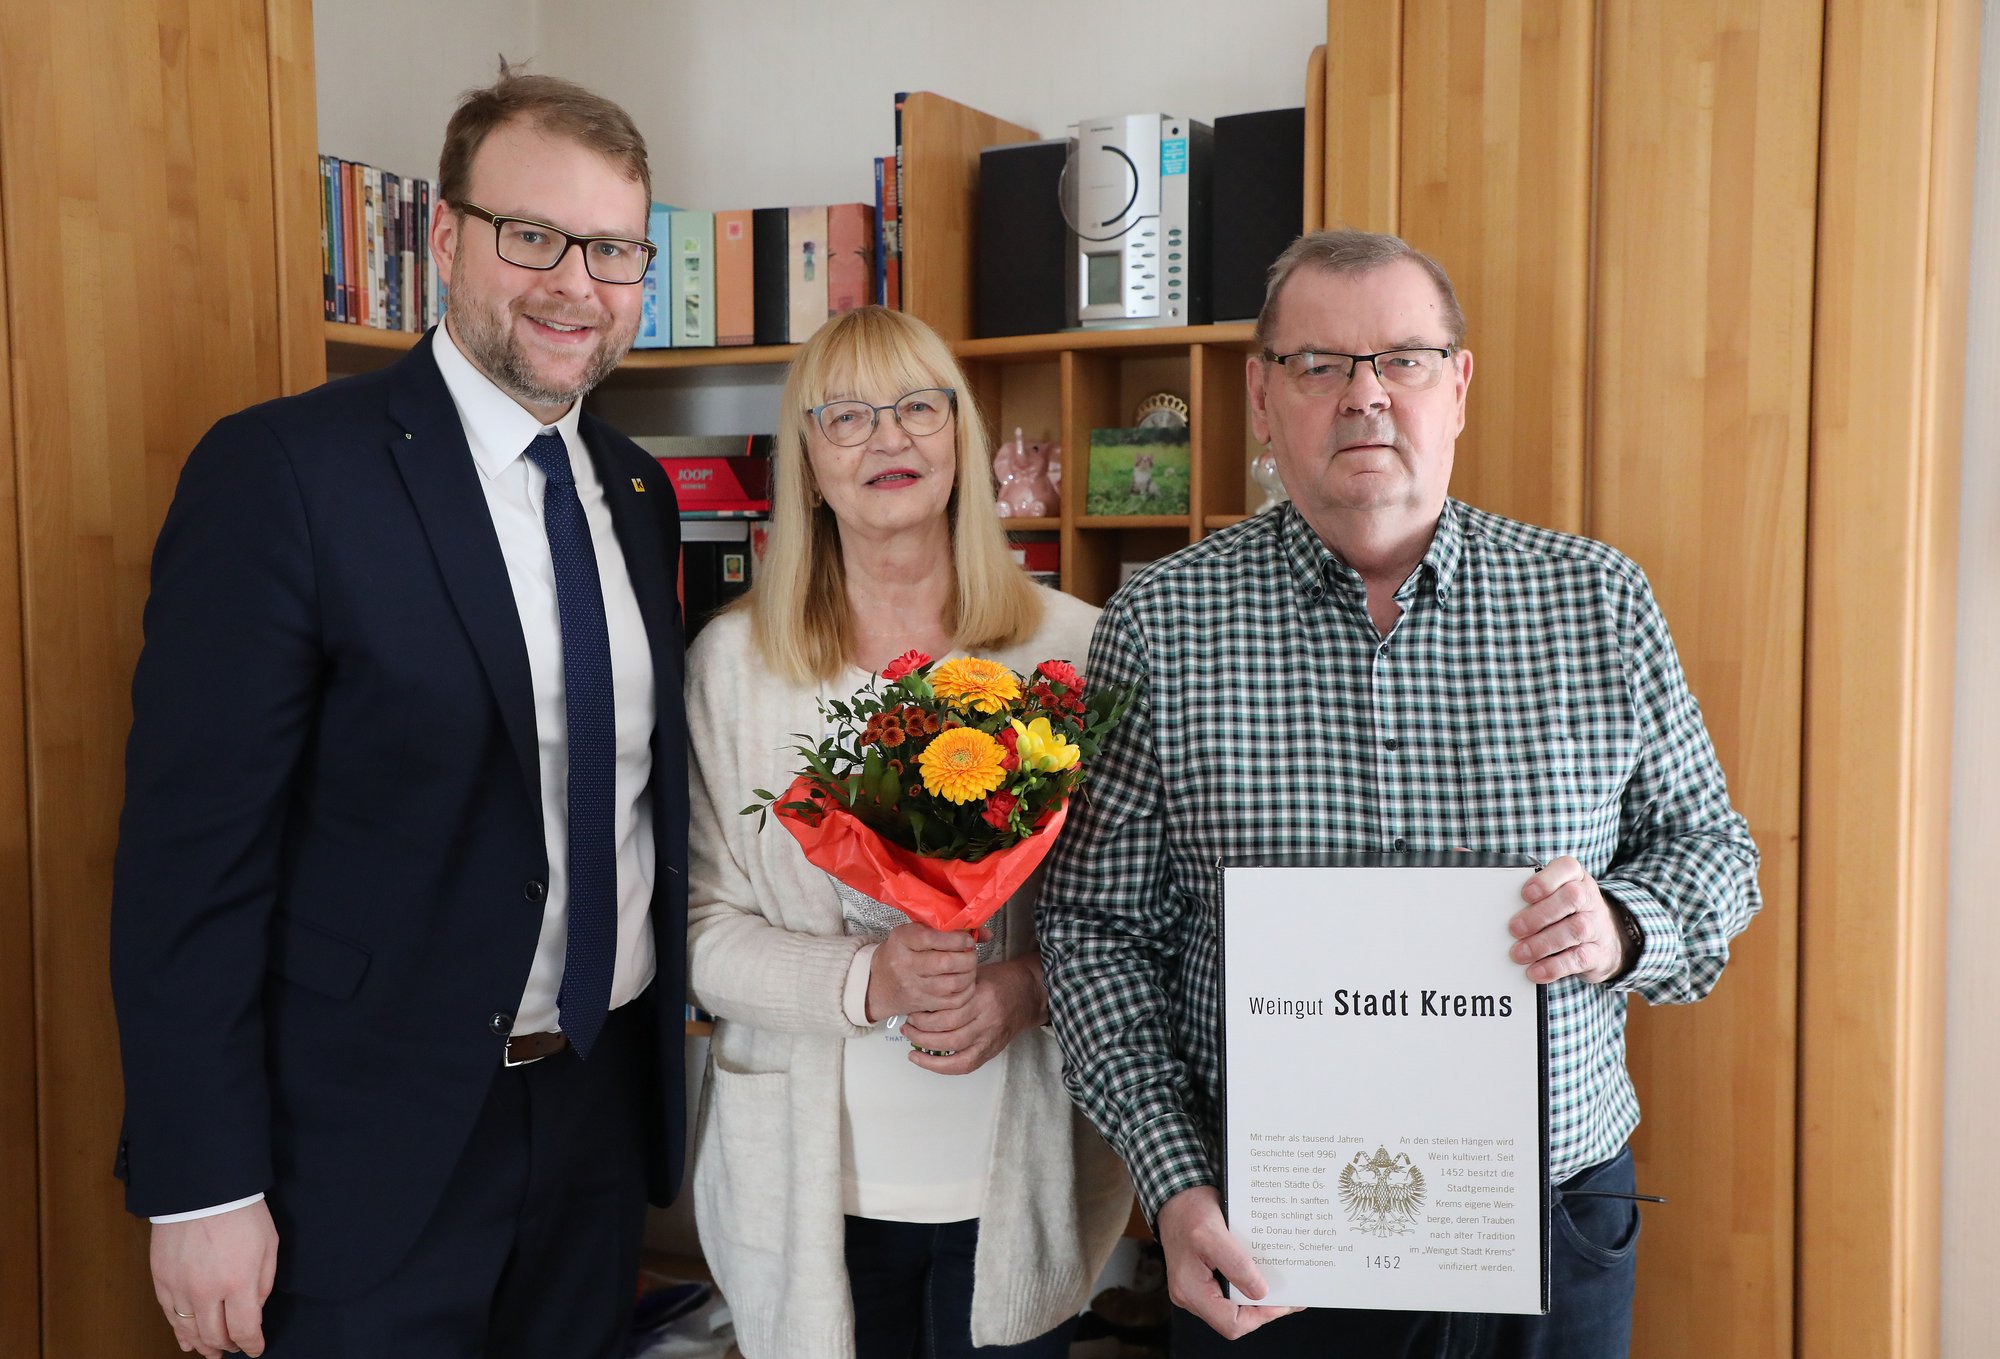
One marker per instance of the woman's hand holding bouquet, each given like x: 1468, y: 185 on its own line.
x: 938, y: 792
x: 1006, y: 1000
x: 917, y: 968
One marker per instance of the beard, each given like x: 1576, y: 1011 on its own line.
x: 486, y: 334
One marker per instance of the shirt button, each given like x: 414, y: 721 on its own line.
x: 501, y: 1024
x: 535, y: 889
x: 1382, y: 650
x: 1313, y: 592
x: 1400, y: 844
x: 1389, y: 744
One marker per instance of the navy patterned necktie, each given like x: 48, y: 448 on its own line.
x: 585, y: 996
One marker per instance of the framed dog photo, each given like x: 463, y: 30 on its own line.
x: 1143, y: 470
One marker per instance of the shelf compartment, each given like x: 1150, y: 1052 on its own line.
x: 1134, y: 521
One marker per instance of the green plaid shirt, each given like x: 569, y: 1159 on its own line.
x: 1529, y: 701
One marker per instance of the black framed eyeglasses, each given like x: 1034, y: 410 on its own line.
x: 1323, y: 374
x: 538, y: 245
x: 847, y: 423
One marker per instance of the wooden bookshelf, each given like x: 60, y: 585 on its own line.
x: 356, y: 349
x: 1058, y: 386
x: 352, y: 348
x: 940, y: 205
x: 735, y: 356
x: 1133, y: 342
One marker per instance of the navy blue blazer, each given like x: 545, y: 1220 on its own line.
x: 331, y: 864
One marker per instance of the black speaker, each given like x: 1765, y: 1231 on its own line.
x: 1022, y: 246
x: 1257, y: 207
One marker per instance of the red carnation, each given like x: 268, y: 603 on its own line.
x: 999, y: 806
x: 1007, y: 737
x: 910, y: 660
x: 1060, y: 672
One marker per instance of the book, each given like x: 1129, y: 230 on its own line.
x: 412, y: 307
x: 770, y: 290
x: 326, y: 220
x: 350, y: 236
x: 805, y: 272
x: 692, y: 313
x: 1137, y: 471
x: 850, y: 256
x: 392, y: 250
x: 735, y: 298
x: 715, y: 476
x: 1040, y: 555
x: 378, y: 273
x: 375, y: 261
x: 878, y: 276
x: 327, y: 248
x: 892, y: 230
x: 655, y: 288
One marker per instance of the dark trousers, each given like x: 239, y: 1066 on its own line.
x: 1593, y: 1261
x: 912, y: 1285
x: 533, y: 1250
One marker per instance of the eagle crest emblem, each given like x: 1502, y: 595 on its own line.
x: 1382, y: 1193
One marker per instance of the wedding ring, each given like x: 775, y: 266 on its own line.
x: 184, y: 1316
x: 936, y: 1052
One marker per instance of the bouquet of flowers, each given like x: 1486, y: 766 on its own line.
x: 942, y: 786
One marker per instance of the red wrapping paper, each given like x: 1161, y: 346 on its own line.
x: 944, y: 894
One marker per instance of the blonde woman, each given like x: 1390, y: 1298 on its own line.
x: 862, y: 1191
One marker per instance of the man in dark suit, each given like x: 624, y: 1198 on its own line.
x: 398, y: 926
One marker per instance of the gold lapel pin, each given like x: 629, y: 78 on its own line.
x: 639, y: 485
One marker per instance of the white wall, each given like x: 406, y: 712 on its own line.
x: 1972, y: 1020
x: 763, y: 103
x: 388, y: 72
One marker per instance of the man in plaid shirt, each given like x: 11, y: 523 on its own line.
x: 1375, y: 667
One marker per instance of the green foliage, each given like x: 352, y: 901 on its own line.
x: 869, y: 763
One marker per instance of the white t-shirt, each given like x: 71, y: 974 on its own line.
x: 914, y: 1145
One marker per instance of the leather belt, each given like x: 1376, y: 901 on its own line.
x: 523, y: 1048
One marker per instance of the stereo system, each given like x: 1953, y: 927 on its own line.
x: 1136, y: 220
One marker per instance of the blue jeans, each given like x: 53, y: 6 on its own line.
x: 912, y: 1285
x: 1593, y: 1267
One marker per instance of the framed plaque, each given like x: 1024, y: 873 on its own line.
x: 1385, y: 1078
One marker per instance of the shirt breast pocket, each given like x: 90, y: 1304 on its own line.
x: 1534, y: 793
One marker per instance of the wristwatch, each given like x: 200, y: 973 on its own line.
x: 1635, y: 938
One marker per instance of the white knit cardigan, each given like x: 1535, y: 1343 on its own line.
x: 768, y: 955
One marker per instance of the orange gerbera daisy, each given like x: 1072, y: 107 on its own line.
x: 962, y: 765
x: 969, y: 682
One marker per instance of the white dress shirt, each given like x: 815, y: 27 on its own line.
x: 499, y: 430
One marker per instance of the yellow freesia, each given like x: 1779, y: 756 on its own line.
x: 1040, y: 748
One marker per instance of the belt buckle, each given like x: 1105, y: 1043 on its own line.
x: 507, y: 1056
